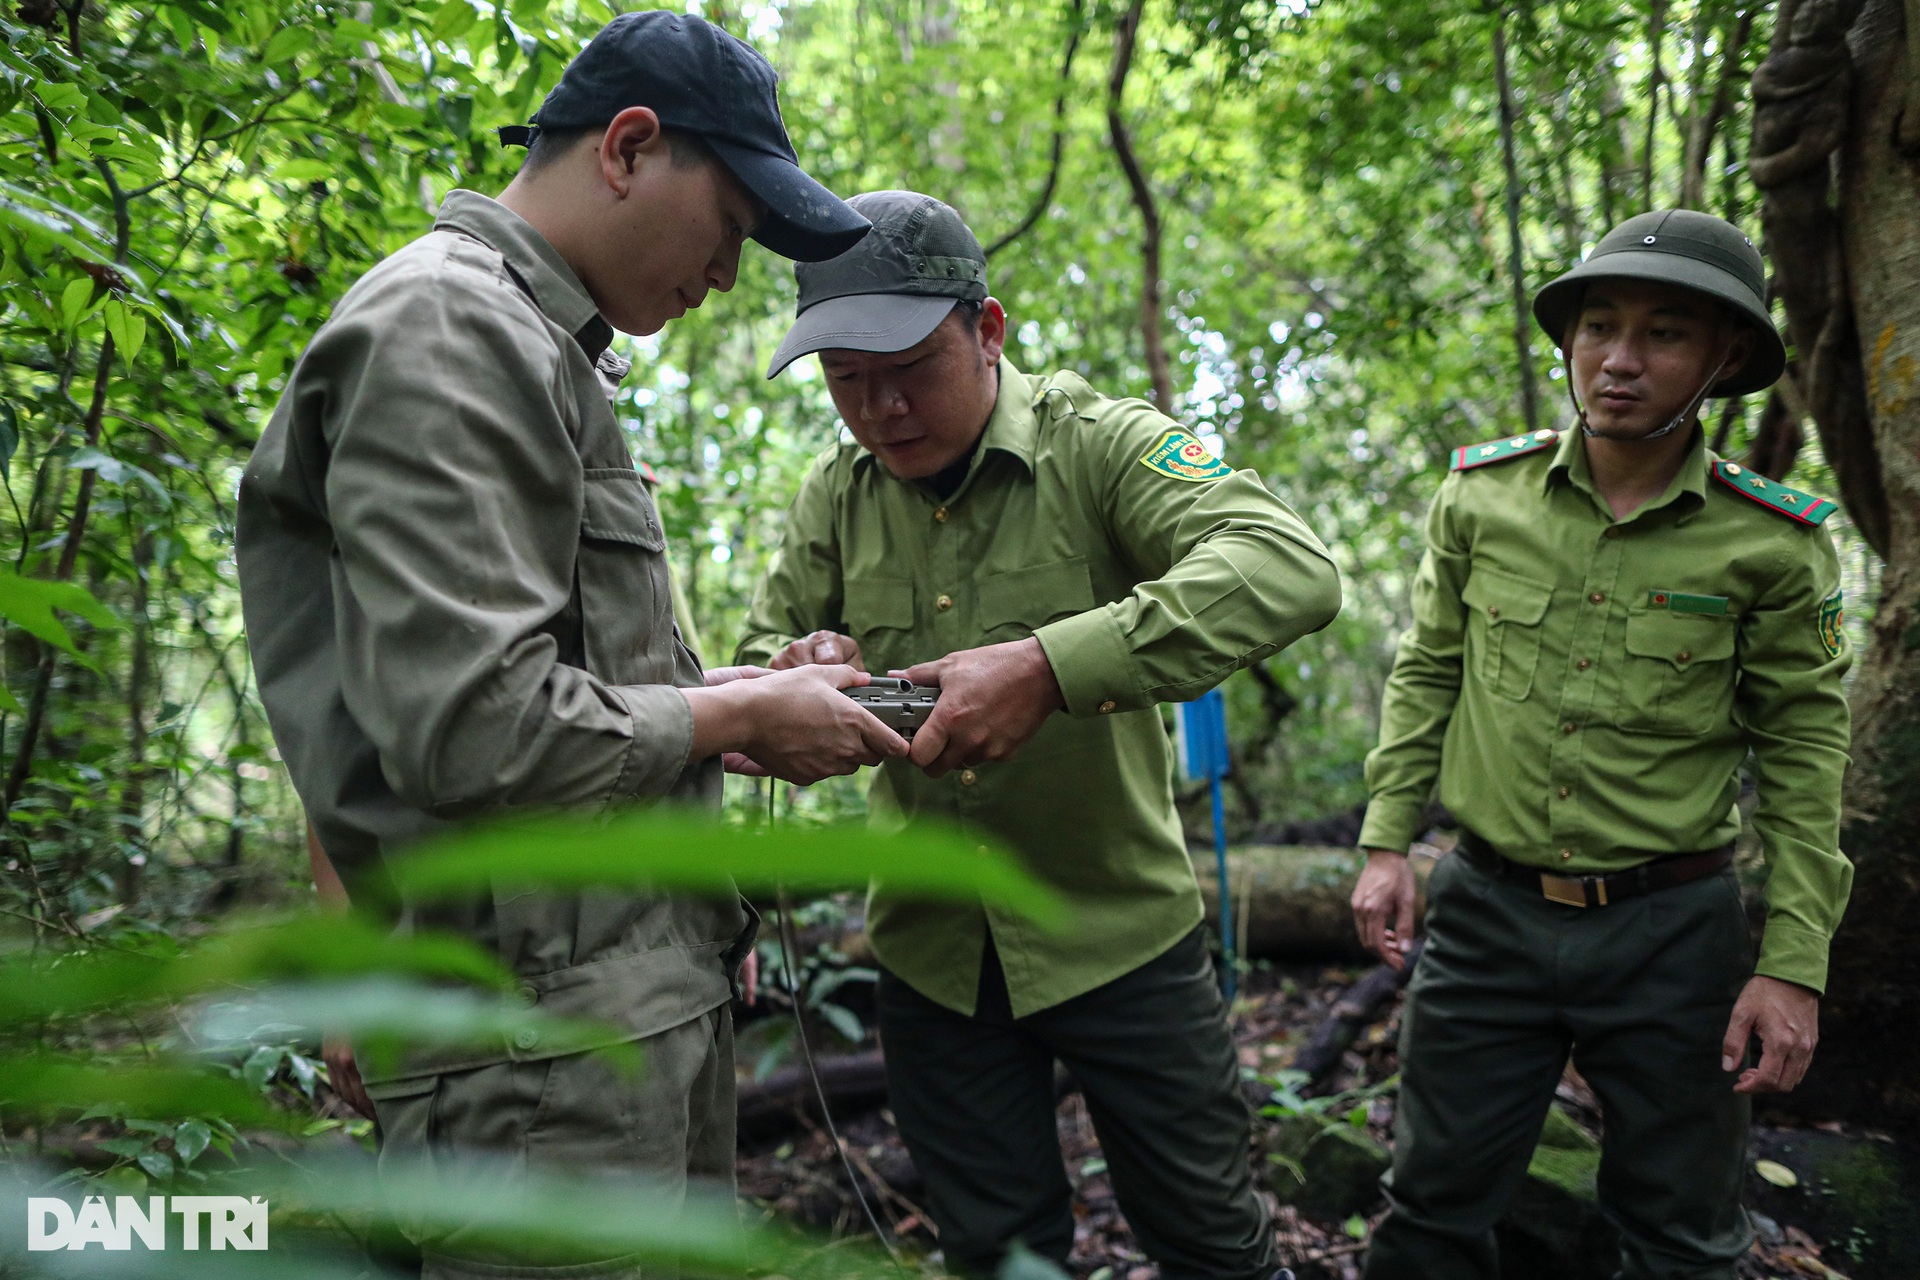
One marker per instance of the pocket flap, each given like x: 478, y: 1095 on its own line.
x: 879, y: 602
x: 413, y: 1087
x: 1506, y: 597
x: 1036, y: 596
x: 1680, y: 638
x: 616, y: 508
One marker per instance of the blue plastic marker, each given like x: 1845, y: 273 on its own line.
x: 1200, y: 733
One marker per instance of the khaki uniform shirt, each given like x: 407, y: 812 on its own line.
x: 1585, y: 689
x: 457, y: 599
x: 1148, y: 571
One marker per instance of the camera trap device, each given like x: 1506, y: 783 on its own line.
x: 901, y: 705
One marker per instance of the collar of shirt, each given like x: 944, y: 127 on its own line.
x: 1688, y: 487
x: 534, y: 262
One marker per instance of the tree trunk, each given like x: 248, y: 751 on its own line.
x: 1152, y: 322
x: 1865, y: 1062
x: 1516, y: 256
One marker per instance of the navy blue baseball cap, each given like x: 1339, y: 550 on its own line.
x: 699, y: 79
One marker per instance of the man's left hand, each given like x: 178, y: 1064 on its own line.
x: 992, y: 700
x: 1786, y: 1017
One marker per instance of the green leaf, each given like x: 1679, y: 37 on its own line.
x: 74, y: 299
x: 9, y: 703
x: 1776, y: 1173
x: 28, y: 603
x: 190, y: 1139
x: 61, y: 1083
x: 1356, y: 1227
x: 261, y: 1065
x: 302, y: 170
x: 128, y: 327
x: 157, y: 1164
x: 689, y: 853
x: 182, y: 27
x: 287, y: 43
x: 453, y: 20
x: 211, y: 39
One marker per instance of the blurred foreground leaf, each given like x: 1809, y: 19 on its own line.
x: 690, y: 854
x: 153, y: 1090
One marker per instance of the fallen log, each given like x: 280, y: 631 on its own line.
x: 1296, y: 899
x: 854, y: 1083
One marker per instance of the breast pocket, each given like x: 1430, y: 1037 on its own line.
x: 1504, y: 616
x: 620, y: 574
x: 1017, y: 603
x: 879, y: 616
x: 1678, y: 679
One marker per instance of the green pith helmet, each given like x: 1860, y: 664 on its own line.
x: 1694, y: 251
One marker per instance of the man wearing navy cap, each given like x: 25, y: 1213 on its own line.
x: 458, y: 600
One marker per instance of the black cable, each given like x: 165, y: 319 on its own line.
x: 806, y: 1055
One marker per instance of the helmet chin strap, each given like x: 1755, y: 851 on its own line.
x: 1678, y: 420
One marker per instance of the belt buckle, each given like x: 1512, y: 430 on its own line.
x: 1564, y: 890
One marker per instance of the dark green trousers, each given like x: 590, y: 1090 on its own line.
x: 1639, y: 993
x: 974, y: 1099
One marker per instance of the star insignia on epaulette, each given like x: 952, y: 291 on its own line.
x: 1771, y: 494
x: 1469, y: 456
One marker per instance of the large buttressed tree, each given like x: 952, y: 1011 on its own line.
x: 1836, y: 154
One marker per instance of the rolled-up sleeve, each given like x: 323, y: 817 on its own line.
x: 456, y: 508
x: 1229, y: 576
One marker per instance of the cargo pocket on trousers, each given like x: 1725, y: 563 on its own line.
x: 1504, y: 616
x: 1678, y: 678
x: 406, y: 1118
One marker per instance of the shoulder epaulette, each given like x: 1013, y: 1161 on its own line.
x: 1771, y: 494
x: 1469, y: 456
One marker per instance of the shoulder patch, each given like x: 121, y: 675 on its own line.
x: 1469, y: 456
x: 1789, y: 502
x: 1179, y: 456
x: 1832, y: 615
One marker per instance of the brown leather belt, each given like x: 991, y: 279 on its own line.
x: 1660, y: 871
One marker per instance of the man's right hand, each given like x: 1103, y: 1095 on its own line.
x: 822, y: 648
x: 795, y: 724
x: 1383, y: 905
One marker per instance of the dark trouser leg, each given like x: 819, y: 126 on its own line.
x: 1155, y: 1061
x: 974, y: 1101
x: 1663, y: 979
x: 1481, y: 1049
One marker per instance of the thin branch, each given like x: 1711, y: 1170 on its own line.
x: 1516, y: 260
x: 1150, y: 317
x: 1045, y: 197
x: 1704, y: 124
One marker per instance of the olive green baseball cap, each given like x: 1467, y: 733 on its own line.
x: 1694, y: 251
x: 891, y: 289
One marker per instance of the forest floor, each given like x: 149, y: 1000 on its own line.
x: 798, y: 1177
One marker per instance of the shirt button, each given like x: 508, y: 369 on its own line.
x: 1493, y: 611
x: 527, y: 994
x: 940, y: 514
x: 1612, y: 531
x: 1565, y: 854
x: 968, y: 777
x: 1565, y: 792
x: 1597, y: 598
x: 1567, y: 727
x: 1685, y: 655
x: 944, y: 603
x: 1106, y: 708
x: 526, y: 1039
x: 1584, y: 663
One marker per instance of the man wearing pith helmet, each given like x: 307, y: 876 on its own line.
x: 1607, y: 621
x: 1060, y: 563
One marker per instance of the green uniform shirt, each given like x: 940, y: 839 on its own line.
x: 458, y: 601
x: 1585, y: 688
x: 1148, y: 570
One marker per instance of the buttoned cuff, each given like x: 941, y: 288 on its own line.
x: 1093, y: 664
x: 662, y: 738
x: 1391, y: 823
x: 1794, y: 953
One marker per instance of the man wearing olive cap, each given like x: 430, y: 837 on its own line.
x: 1060, y: 563
x: 1606, y: 622
x: 458, y: 602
